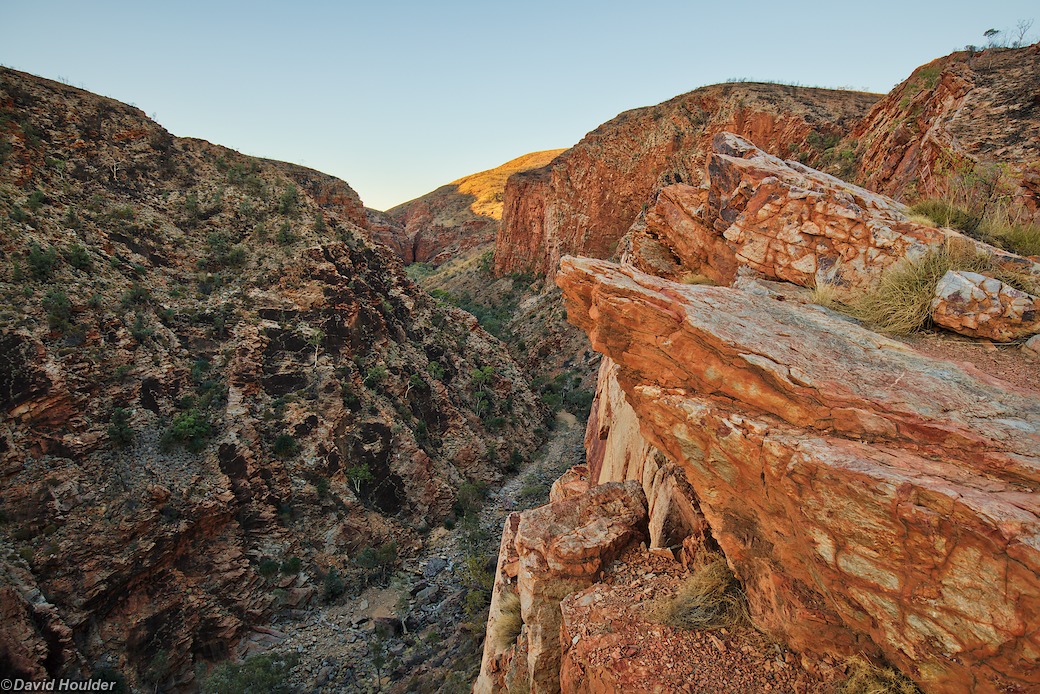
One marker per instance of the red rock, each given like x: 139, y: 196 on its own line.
x: 978, y: 306
x: 867, y: 496
x: 584, y: 202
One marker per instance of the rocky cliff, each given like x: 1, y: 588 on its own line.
x: 215, y: 390
x: 586, y: 199
x: 961, y: 127
x: 458, y: 216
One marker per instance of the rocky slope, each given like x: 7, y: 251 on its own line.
x: 961, y: 127
x: 456, y: 217
x: 586, y: 199
x: 216, y: 390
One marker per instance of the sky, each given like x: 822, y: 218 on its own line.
x: 398, y: 98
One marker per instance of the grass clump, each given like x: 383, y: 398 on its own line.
x: 509, y: 623
x: 902, y: 302
x: 997, y: 227
x: 711, y: 598
x: 866, y: 678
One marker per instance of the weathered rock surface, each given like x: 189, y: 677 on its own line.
x: 867, y: 497
x: 585, y: 200
x: 955, y: 126
x: 455, y: 218
x: 548, y: 553
x: 201, y: 355
x: 978, y: 306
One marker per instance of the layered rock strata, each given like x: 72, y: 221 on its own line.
x: 585, y: 200
x: 869, y: 498
x: 546, y: 554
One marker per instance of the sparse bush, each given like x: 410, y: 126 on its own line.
x: 509, y: 623
x: 292, y: 565
x: 137, y: 295
x: 59, y: 309
x: 863, y: 677
x: 333, y: 585
x: 41, y: 261
x: 78, y: 257
x: 902, y: 301
x: 377, y: 564
x: 119, y: 431
x: 711, y: 598
x: 288, y: 201
x: 36, y: 200
x: 267, y: 673
x: 285, y: 235
x: 268, y: 567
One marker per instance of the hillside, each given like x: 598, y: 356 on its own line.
x: 586, y: 199
x: 219, y: 395
x: 456, y: 217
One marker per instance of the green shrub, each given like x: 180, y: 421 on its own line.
x: 292, y: 565
x: 58, y: 308
x: 268, y: 567
x: 78, y: 257
x: 17, y: 214
x: 267, y: 673
x: 36, y: 200
x: 191, y: 429
x: 285, y: 235
x: 119, y: 431
x: 285, y: 446
x: 375, y: 375
x: 945, y: 214
x: 137, y: 295
x: 289, y: 200
x: 377, y: 564
x: 333, y: 585
x: 41, y: 261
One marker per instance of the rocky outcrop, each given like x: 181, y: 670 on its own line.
x: 962, y: 126
x: 869, y: 498
x: 215, y: 389
x: 978, y: 306
x: 457, y: 217
x: 585, y: 200
x: 546, y: 554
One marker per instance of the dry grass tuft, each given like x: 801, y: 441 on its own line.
x: 711, y: 598
x: 825, y: 295
x: 866, y: 678
x: 902, y: 302
x: 696, y: 278
x: 509, y: 623
x: 1000, y: 226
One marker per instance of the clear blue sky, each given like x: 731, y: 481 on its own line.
x: 398, y: 98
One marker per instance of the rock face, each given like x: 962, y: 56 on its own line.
x: 456, y: 217
x: 548, y: 553
x: 214, y: 387
x: 956, y: 126
x: 785, y: 221
x: 869, y: 498
x: 584, y: 202
x: 979, y: 306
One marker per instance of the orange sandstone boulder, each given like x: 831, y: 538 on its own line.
x: 979, y: 306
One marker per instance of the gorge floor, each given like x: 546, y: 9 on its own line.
x: 429, y: 644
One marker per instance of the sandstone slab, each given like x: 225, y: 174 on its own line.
x: 870, y: 499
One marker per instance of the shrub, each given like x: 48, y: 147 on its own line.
x: 946, y: 214
x: 285, y: 446
x: 36, y: 200
x: 190, y: 429
x: 333, y: 585
x: 292, y: 565
x: 509, y: 623
x: 78, y: 257
x: 285, y: 236
x: 137, y: 295
x: 375, y: 375
x: 863, y: 677
x: 289, y: 200
x: 267, y: 673
x: 711, y: 598
x: 58, y: 308
x: 376, y: 564
x: 119, y: 431
x: 268, y: 567
x: 41, y: 261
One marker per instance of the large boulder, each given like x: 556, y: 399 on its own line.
x: 870, y: 499
x: 978, y: 306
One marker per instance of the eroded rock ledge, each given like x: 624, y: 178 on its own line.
x: 868, y: 497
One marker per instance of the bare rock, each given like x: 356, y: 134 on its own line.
x: 978, y: 306
x: 867, y: 496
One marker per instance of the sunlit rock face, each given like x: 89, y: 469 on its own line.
x: 870, y: 499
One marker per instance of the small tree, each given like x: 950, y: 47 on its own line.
x: 314, y: 340
x: 358, y: 475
